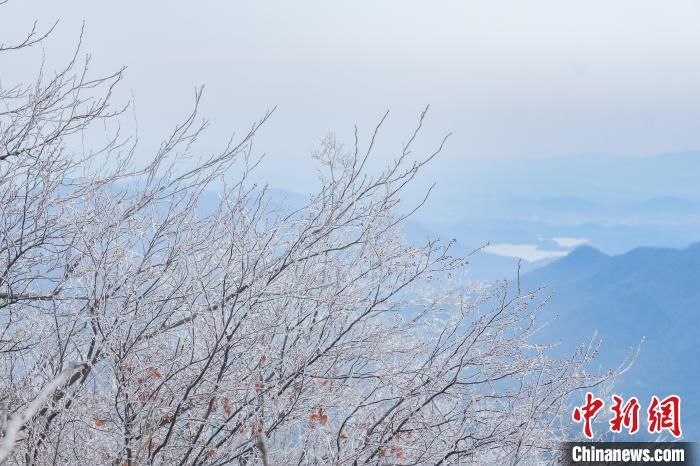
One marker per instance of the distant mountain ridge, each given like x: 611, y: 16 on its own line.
x: 642, y: 272
x: 648, y: 292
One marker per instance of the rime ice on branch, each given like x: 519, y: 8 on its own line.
x: 152, y: 331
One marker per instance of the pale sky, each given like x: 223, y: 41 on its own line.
x: 509, y: 78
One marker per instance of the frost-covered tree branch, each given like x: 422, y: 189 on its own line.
x: 11, y: 427
x: 230, y: 329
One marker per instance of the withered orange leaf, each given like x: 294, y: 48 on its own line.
x: 227, y: 406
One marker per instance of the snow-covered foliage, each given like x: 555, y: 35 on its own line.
x: 138, y: 328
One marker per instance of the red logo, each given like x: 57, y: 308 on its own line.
x: 665, y: 415
x: 662, y: 414
x: 587, y: 412
x: 626, y: 416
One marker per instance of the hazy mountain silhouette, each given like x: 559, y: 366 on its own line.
x: 647, y: 292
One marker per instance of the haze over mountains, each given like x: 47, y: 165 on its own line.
x: 541, y: 209
x: 614, y: 239
x: 650, y: 293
